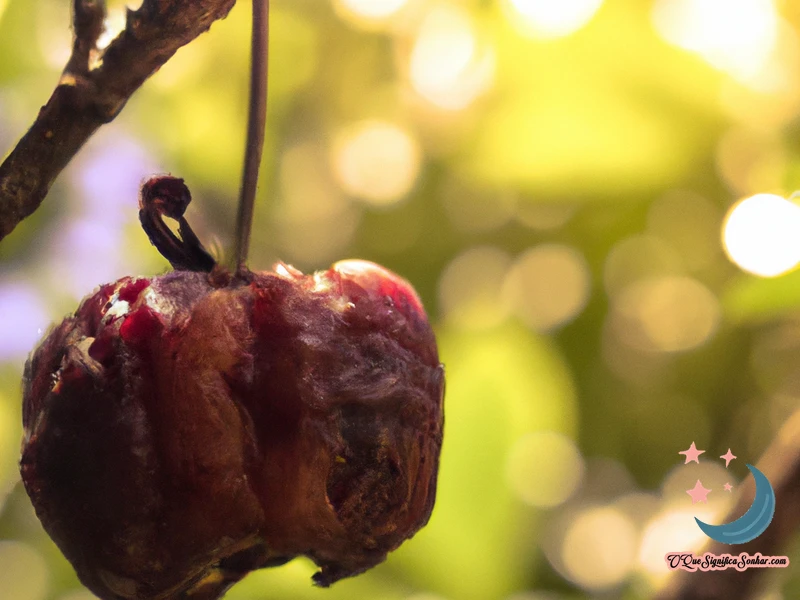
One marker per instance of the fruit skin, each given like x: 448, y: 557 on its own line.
x: 183, y: 430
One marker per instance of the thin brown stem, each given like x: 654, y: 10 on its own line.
x: 256, y: 123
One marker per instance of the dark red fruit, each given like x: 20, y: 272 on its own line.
x: 183, y: 430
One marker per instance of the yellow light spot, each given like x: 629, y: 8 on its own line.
x: 673, y: 530
x: 551, y: 19
x: 372, y: 10
x: 599, y: 548
x: 544, y: 468
x: 638, y: 257
x: 449, y: 67
x: 753, y: 159
x: 54, y: 41
x: 760, y: 235
x: 735, y: 37
x: 377, y: 162
x: 548, y: 286
x: 666, y: 314
x: 469, y: 288
x: 25, y: 574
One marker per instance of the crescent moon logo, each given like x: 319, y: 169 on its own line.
x: 752, y: 523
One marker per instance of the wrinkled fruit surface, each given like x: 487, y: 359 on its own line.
x: 185, y: 429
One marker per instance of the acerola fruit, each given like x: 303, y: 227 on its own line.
x: 185, y: 429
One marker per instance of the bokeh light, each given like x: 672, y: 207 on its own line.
x: 544, y: 468
x: 638, y: 257
x: 674, y: 527
x: 548, y: 286
x: 54, y: 43
x: 666, y: 314
x: 470, y: 288
x: 671, y: 530
x: 600, y: 548
x: 377, y: 162
x: 736, y: 37
x: 370, y: 9
x: 547, y: 19
x: 760, y: 234
x: 543, y: 217
x: 752, y: 160
x: 450, y: 67
x: 309, y: 202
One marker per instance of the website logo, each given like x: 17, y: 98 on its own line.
x: 752, y: 523
x: 746, y: 528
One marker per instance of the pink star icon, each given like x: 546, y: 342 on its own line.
x: 698, y: 493
x: 692, y: 454
x: 728, y: 456
x: 728, y: 487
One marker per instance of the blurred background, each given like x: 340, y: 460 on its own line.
x: 592, y: 198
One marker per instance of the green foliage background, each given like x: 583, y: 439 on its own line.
x: 584, y: 141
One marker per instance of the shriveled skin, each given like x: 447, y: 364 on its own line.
x: 183, y: 430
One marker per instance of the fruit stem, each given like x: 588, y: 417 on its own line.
x: 166, y: 196
x: 256, y: 121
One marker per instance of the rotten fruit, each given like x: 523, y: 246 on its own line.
x: 185, y: 429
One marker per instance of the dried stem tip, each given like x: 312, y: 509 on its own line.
x: 165, y: 196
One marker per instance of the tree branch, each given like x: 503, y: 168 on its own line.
x: 93, y: 89
x: 781, y: 464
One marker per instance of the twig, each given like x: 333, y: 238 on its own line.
x: 256, y: 122
x: 781, y: 464
x: 93, y: 89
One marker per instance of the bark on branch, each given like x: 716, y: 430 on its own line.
x: 781, y: 464
x: 93, y: 89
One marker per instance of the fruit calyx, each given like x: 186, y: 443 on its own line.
x: 167, y: 196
